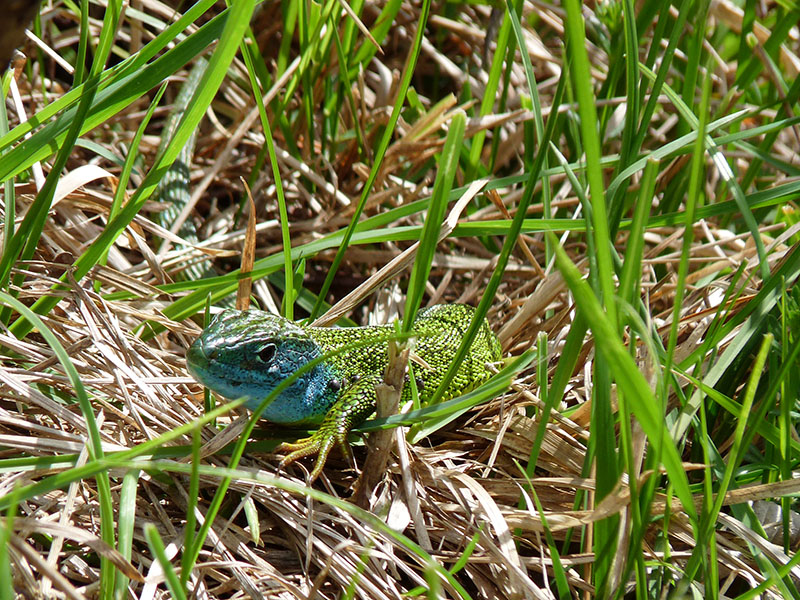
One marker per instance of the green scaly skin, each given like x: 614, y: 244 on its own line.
x: 248, y: 353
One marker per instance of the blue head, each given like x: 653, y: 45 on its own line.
x: 247, y: 354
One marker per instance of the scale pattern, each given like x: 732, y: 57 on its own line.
x: 248, y: 353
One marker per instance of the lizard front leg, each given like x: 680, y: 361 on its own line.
x: 355, y: 404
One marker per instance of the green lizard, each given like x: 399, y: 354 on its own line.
x: 248, y: 353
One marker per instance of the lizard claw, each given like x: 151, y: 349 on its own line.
x: 320, y: 443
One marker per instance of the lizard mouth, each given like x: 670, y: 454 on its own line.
x: 199, y: 361
x: 196, y: 358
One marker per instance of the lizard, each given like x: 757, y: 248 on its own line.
x: 247, y: 354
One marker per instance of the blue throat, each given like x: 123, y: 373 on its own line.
x: 306, y: 400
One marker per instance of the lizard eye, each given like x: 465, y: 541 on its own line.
x: 267, y: 353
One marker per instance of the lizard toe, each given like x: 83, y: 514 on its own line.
x: 316, y: 444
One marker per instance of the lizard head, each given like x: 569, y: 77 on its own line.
x: 247, y: 354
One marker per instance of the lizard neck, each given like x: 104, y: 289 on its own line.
x: 306, y: 400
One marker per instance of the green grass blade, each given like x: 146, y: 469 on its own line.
x: 121, y: 85
x: 288, y: 305
x: 231, y: 35
x: 505, y: 253
x: 692, y: 201
x: 448, y: 165
x: 127, y: 521
x: 582, y: 78
x: 107, y: 522
x: 628, y: 378
x: 156, y: 546
x: 405, y: 82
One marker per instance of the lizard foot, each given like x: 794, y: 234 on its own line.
x: 320, y: 443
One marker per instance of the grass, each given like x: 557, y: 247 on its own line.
x: 613, y: 186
